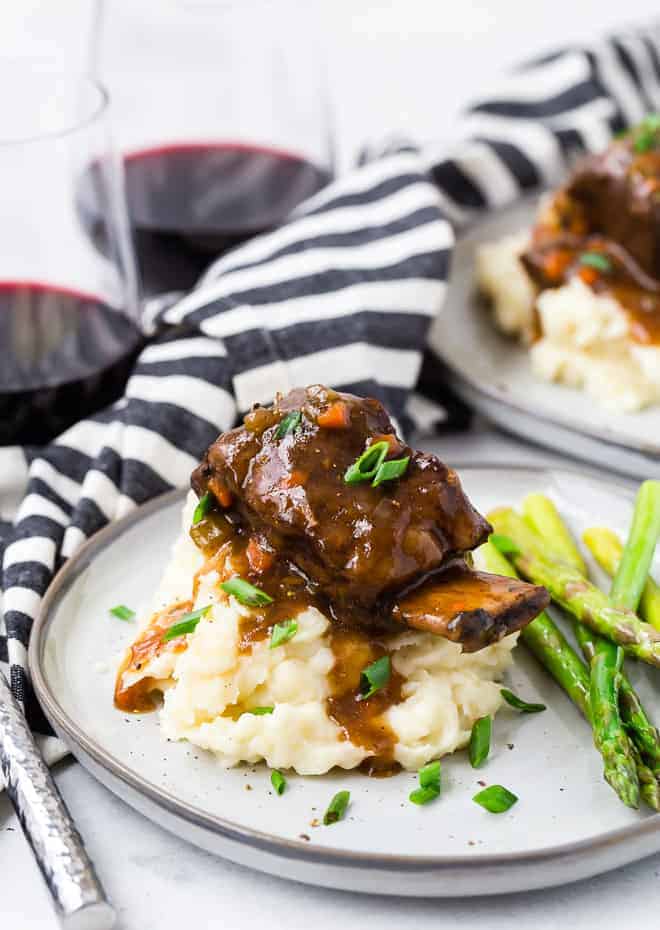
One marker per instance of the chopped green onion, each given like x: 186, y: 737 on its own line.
x: 122, y: 612
x: 423, y: 795
x: 246, y: 593
x: 260, y: 711
x: 495, y: 799
x: 278, y: 781
x: 504, y: 544
x: 519, y: 704
x: 288, y: 424
x: 480, y: 741
x: 365, y: 468
x: 187, y: 624
x: 647, y: 134
x: 282, y: 633
x: 429, y: 775
x: 374, y: 677
x: 429, y: 784
x: 204, y: 504
x: 388, y: 471
x: 337, y: 807
x: 596, y: 260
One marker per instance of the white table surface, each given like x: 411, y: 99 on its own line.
x: 394, y: 67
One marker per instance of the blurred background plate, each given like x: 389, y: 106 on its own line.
x: 567, y: 824
x: 493, y: 374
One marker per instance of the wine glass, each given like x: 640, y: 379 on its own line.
x: 222, y: 120
x: 69, y: 319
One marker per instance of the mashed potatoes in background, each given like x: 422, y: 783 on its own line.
x: 585, y: 337
x: 208, y: 687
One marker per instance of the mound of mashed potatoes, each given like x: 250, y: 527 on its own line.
x: 212, y: 685
x: 576, y: 337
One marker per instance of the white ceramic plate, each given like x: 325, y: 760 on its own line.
x: 567, y: 824
x: 492, y: 373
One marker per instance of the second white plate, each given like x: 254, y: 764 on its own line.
x: 492, y: 373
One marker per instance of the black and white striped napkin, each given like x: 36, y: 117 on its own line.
x: 344, y: 293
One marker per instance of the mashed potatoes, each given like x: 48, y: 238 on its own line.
x: 584, y: 339
x: 210, y: 686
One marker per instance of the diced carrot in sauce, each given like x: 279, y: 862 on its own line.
x: 588, y: 274
x: 395, y: 444
x: 260, y: 559
x: 220, y: 492
x: 555, y: 264
x: 337, y: 416
x: 295, y: 478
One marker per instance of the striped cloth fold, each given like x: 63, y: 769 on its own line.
x: 344, y: 293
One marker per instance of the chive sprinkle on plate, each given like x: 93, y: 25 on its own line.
x: 278, y: 781
x: 337, y: 807
x: 260, y: 711
x: 122, y: 612
x: 480, y: 741
x: 374, y: 677
x: 282, y: 633
x: 496, y: 798
x: 519, y: 704
x: 388, y: 471
x: 429, y: 784
x: 246, y: 593
x: 366, y: 466
x: 596, y: 260
x: 187, y: 624
x: 204, y: 504
x: 288, y: 424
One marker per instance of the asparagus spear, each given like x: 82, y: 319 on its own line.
x: 607, y: 549
x: 545, y: 640
x: 633, y: 570
x: 620, y: 770
x: 572, y: 591
x: 542, y: 515
x: 549, y: 524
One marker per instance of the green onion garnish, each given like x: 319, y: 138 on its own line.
x: 388, y: 471
x: 519, y: 704
x: 187, y: 624
x: 204, y: 504
x: 337, y: 807
x: 365, y: 468
x: 260, y: 711
x: 596, y: 260
x: 288, y: 424
x: 122, y: 612
x: 480, y: 741
x: 495, y: 799
x: 283, y: 632
x: 374, y: 677
x: 246, y: 593
x: 647, y: 134
x: 278, y: 781
x: 504, y: 544
x: 429, y: 784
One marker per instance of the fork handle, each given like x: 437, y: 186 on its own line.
x: 76, y: 892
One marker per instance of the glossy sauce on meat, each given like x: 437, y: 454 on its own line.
x: 611, y: 206
x: 356, y: 542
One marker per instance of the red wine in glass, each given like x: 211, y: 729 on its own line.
x: 65, y: 355
x: 189, y: 203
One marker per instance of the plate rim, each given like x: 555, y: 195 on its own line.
x: 580, y: 428
x: 292, y: 849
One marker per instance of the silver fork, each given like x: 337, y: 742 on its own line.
x: 78, y: 897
